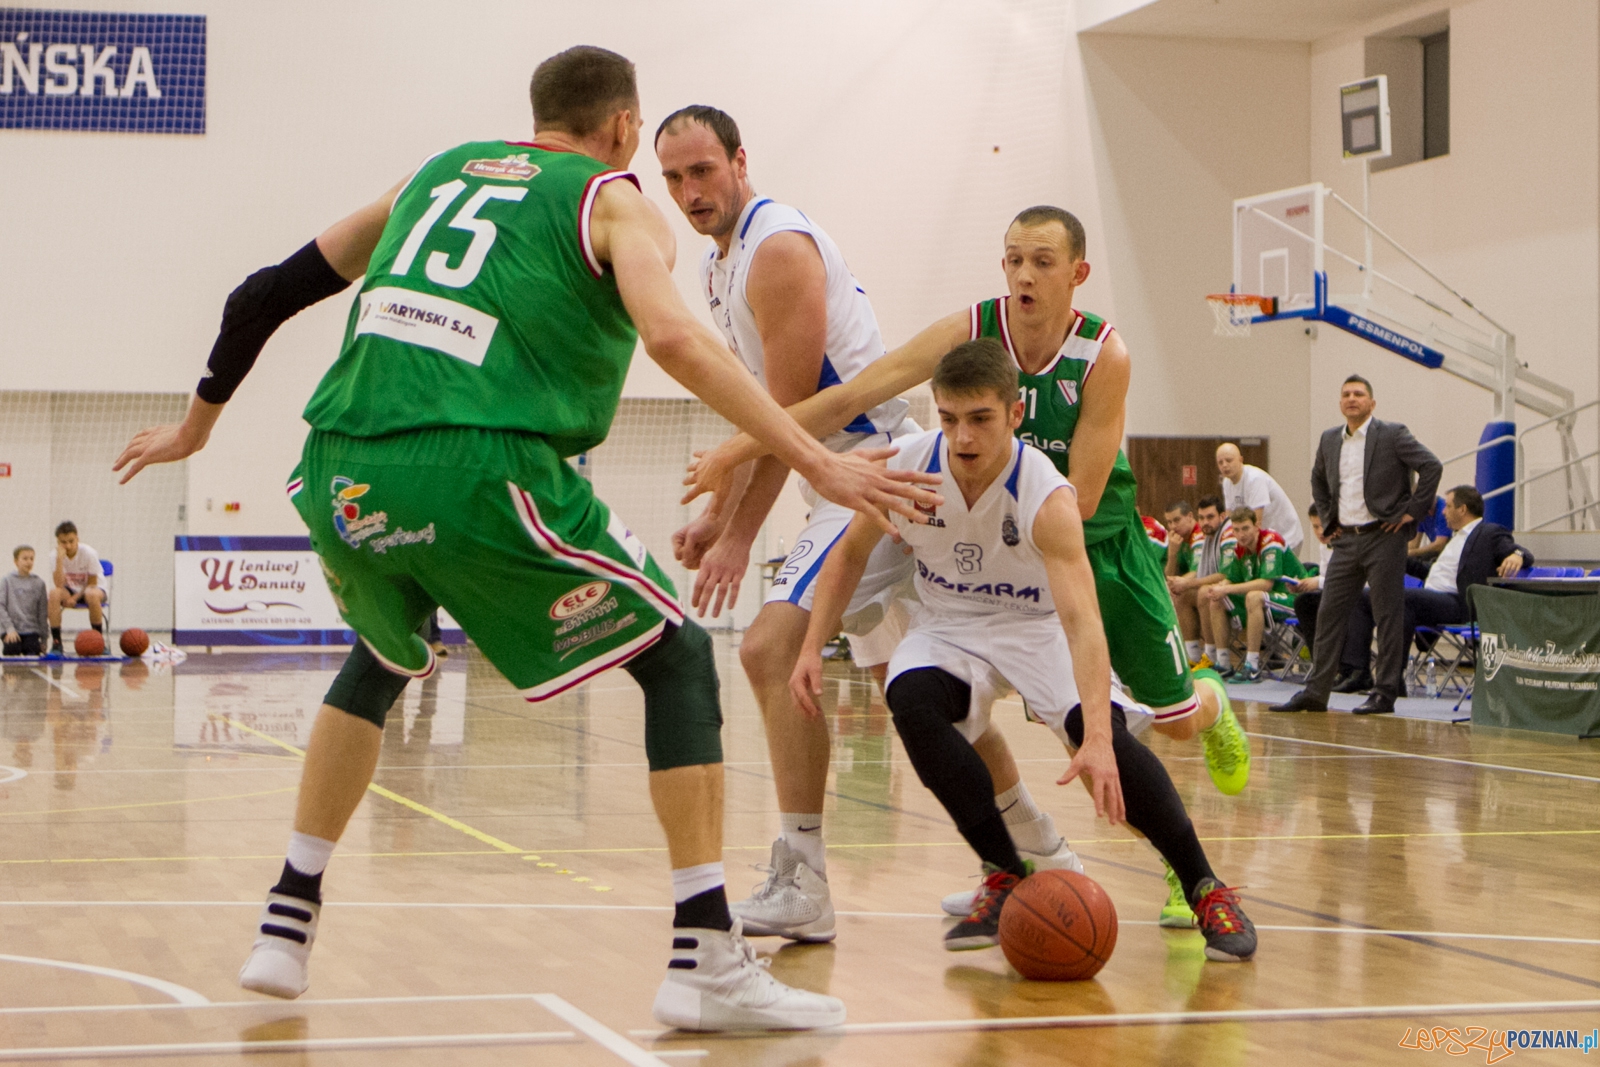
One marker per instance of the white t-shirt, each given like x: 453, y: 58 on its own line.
x: 1258, y: 489
x: 79, y: 568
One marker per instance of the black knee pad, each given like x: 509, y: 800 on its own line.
x: 365, y: 688
x: 682, y: 699
x: 1119, y: 725
x: 928, y: 696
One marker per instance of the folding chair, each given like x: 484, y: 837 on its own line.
x: 1283, y: 640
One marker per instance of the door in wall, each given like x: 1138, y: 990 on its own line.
x: 1183, y: 468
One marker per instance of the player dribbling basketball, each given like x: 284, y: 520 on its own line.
x: 1008, y: 596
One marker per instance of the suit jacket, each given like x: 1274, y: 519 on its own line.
x: 1392, y: 457
x: 1486, y: 548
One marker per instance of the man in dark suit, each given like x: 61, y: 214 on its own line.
x: 1473, y: 553
x: 1362, y: 482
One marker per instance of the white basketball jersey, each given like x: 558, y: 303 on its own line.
x: 853, y: 340
x: 982, y: 560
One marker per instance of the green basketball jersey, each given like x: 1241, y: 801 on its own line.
x: 1272, y: 559
x: 1050, y: 408
x: 484, y: 305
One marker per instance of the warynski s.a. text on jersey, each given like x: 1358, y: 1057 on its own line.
x: 485, y: 306
x: 980, y: 560
x: 1050, y: 407
x: 853, y: 340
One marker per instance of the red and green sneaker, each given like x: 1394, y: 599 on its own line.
x: 1230, y: 935
x: 981, y: 929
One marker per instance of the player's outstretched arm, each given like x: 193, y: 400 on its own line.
x: 630, y: 234
x: 1058, y: 531
x: 1098, y: 436
x: 832, y: 409
x: 266, y: 300
x: 836, y: 584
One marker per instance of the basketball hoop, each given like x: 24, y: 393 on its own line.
x: 1235, y: 311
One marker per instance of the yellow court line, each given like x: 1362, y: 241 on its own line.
x: 389, y: 794
x: 149, y: 803
x: 274, y: 856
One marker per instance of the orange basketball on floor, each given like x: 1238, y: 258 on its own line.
x: 134, y: 642
x: 89, y: 643
x: 1058, y: 926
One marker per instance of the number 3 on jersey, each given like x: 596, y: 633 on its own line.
x: 437, y: 267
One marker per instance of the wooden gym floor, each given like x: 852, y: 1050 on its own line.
x: 501, y: 895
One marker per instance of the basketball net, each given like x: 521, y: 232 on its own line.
x: 1235, y: 311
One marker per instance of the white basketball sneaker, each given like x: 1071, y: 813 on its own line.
x: 1062, y: 859
x: 278, y: 960
x: 715, y: 981
x: 793, y: 902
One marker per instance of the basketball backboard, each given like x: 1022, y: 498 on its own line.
x: 1277, y: 246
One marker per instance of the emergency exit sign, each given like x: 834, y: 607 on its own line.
x: 1191, y: 474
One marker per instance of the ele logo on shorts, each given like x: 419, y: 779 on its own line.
x: 585, y: 596
x: 352, y: 526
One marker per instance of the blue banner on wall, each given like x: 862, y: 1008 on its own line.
x: 102, y: 70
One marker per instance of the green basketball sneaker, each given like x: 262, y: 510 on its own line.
x: 1176, y: 913
x: 1227, y: 749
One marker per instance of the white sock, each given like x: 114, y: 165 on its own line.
x: 1192, y: 648
x: 1253, y: 659
x: 803, y: 833
x: 309, y: 855
x: 692, y: 881
x: 1211, y: 650
x: 1224, y: 658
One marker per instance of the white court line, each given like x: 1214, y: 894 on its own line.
x: 1165, y: 1018
x: 596, y: 1031
x: 11, y: 774
x: 181, y: 994
x: 1433, y: 759
x: 310, y: 1044
x: 438, y: 998
x: 468, y: 906
x: 63, y: 686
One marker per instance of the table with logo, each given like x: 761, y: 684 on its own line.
x: 1538, y: 663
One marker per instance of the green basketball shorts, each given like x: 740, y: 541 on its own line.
x: 1140, y: 623
x: 1237, y: 612
x: 497, y: 529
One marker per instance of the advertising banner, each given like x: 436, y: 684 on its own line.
x: 1538, y: 662
x: 257, y: 591
x: 102, y: 70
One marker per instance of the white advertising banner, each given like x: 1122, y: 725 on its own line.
x: 257, y: 591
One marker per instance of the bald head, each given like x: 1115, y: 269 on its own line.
x: 1230, y: 463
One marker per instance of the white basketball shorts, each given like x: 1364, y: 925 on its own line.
x: 996, y: 653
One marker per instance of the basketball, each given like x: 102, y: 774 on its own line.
x: 1058, y: 926
x: 134, y: 642
x: 89, y: 643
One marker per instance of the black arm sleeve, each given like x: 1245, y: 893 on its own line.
x: 266, y: 300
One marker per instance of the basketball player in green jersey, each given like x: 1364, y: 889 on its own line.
x: 506, y: 286
x: 1074, y: 373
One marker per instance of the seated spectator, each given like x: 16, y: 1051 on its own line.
x: 1308, y: 590
x: 1475, y: 551
x: 76, y: 571
x: 1244, y: 485
x: 1250, y: 581
x: 24, y: 610
x: 1194, y: 564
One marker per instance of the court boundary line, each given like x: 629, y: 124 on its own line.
x: 597, y: 1031
x: 1361, y: 931
x: 183, y: 996
x: 1425, y: 756
x: 306, y: 1044
x: 1166, y: 1018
